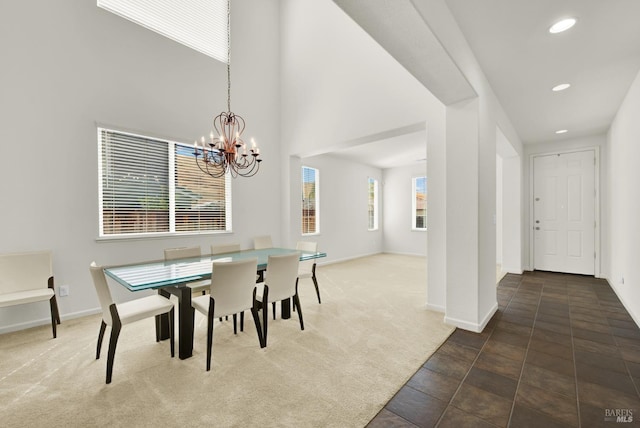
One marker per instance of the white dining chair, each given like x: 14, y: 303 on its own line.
x: 184, y: 253
x: 115, y: 315
x: 225, y: 248
x: 307, y: 268
x: 233, y: 290
x: 281, y: 283
x: 222, y: 249
x: 261, y: 242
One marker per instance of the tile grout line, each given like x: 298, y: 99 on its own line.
x: 462, y: 381
x: 573, y: 355
x: 473, y: 364
x: 526, y: 353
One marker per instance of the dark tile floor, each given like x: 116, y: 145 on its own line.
x: 561, y: 351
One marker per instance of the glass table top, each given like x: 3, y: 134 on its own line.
x: 158, y: 274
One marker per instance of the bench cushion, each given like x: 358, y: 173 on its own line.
x: 20, y: 297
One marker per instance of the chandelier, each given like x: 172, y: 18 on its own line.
x: 226, y: 152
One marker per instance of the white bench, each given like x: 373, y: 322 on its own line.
x: 28, y: 278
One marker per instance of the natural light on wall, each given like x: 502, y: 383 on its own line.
x: 198, y: 24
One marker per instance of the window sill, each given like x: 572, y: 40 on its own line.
x: 163, y: 235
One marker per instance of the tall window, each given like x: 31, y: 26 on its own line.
x: 200, y: 25
x: 153, y: 186
x: 310, y: 205
x: 373, y: 204
x: 419, y: 208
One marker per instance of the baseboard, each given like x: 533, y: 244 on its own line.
x: 345, y: 259
x: 47, y: 321
x: 436, y: 308
x: 624, y: 303
x: 466, y: 325
x: 513, y: 271
x: 404, y: 254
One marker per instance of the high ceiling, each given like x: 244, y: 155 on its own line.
x: 599, y: 57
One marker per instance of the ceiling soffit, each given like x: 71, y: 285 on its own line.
x: 398, y: 27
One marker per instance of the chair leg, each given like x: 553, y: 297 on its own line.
x: 212, y: 306
x: 315, y: 281
x: 113, y: 341
x: 265, y: 313
x: 235, y: 324
x: 103, y: 327
x: 256, y: 320
x: 293, y: 306
x: 296, y: 302
x: 242, y: 321
x: 53, y: 303
x: 274, y: 310
x: 172, y: 331
x: 55, y: 316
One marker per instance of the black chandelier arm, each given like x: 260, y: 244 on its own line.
x: 210, y: 168
x: 217, y: 165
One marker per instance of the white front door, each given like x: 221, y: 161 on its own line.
x: 564, y: 212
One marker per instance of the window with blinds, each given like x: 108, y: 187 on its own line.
x: 373, y: 203
x: 198, y: 24
x: 153, y: 186
x: 419, y: 208
x: 310, y: 205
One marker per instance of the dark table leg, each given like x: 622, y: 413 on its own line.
x: 285, y: 308
x: 185, y: 320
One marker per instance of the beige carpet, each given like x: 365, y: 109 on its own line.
x: 369, y: 335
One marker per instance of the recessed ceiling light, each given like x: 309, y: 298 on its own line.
x: 560, y: 87
x: 562, y: 25
x: 561, y: 131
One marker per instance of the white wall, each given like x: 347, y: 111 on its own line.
x: 339, y: 88
x: 67, y: 65
x: 344, y: 198
x: 338, y: 84
x: 397, y: 189
x: 512, y: 214
x: 599, y: 142
x: 623, y: 208
x: 499, y: 209
x: 470, y: 241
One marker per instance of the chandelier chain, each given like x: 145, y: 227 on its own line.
x: 228, y: 55
x: 226, y: 152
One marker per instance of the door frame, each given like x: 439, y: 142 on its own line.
x: 596, y: 242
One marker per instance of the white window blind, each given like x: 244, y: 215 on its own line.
x: 152, y: 186
x: 373, y: 203
x: 201, y: 202
x: 310, y: 205
x: 198, y: 24
x: 419, y: 205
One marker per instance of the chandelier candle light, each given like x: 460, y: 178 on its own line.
x: 226, y: 152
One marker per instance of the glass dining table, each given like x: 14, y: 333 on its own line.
x: 172, y: 276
